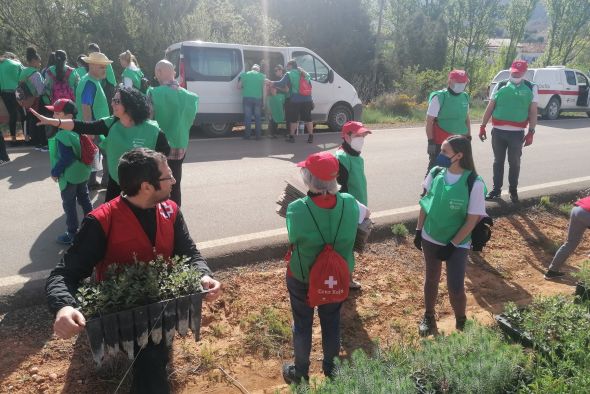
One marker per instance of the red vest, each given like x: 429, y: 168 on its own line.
x: 584, y: 203
x: 127, y: 241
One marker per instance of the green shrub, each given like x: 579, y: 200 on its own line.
x: 394, y: 104
x: 266, y: 332
x: 419, y: 84
x: 545, y: 202
x: 583, y: 274
x: 400, y: 230
x: 565, y: 209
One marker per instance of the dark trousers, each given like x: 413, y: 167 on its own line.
x: 302, y: 329
x: 432, y: 158
x: 13, y: 110
x: 176, y: 167
x: 37, y: 133
x: 113, y: 190
x: 504, y: 141
x: 3, y: 153
x: 149, y: 369
x: 69, y: 196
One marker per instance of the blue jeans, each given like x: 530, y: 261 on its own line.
x: 302, y: 328
x: 69, y: 196
x: 507, y: 141
x: 252, y: 107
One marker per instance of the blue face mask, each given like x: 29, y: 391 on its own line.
x: 443, y: 161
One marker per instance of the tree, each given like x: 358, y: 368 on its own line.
x: 517, y: 16
x: 569, y: 30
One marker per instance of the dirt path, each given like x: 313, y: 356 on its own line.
x: 246, y: 332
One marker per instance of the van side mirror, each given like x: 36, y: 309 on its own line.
x: 331, y: 76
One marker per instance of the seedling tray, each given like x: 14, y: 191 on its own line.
x: 130, y: 329
x: 513, y: 332
x: 582, y: 292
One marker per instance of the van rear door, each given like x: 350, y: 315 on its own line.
x: 583, y: 88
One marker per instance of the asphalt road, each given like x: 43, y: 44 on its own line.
x: 230, y: 185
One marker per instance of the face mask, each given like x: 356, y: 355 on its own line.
x: 459, y: 87
x: 443, y: 161
x: 515, y: 80
x: 356, y: 143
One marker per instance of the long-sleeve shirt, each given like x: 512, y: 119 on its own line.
x: 89, y: 249
x: 66, y: 158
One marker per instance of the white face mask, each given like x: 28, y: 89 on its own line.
x: 356, y: 143
x: 515, y: 80
x: 459, y: 87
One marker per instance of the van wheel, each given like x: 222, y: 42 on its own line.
x: 217, y: 130
x: 552, y: 109
x: 339, y: 115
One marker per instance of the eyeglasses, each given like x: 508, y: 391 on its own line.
x: 116, y: 101
x: 169, y: 178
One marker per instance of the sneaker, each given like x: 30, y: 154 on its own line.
x: 44, y: 149
x: 291, y: 376
x: 65, y: 239
x: 4, y: 162
x: 310, y: 139
x: 460, y: 323
x: 427, y: 326
x: 550, y: 274
x: 514, y: 197
x: 494, y: 194
x: 290, y: 139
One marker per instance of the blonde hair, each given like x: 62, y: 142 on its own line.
x: 129, y: 57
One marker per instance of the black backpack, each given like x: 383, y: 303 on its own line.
x: 482, y: 232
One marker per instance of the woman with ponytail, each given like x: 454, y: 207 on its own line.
x: 132, y: 74
x: 61, y: 80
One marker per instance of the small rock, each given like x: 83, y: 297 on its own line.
x: 53, y: 376
x: 80, y: 381
x: 33, y: 370
x: 38, y: 378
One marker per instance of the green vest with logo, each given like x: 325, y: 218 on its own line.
x: 134, y: 75
x: 513, y: 102
x: 446, y: 207
x: 452, y: 116
x: 75, y: 173
x: 122, y: 139
x: 307, y: 243
x: 357, y: 182
x: 175, y: 111
x: 100, y: 107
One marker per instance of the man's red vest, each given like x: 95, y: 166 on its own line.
x: 584, y: 203
x: 127, y: 241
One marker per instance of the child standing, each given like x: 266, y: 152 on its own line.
x: 68, y: 170
x: 351, y: 174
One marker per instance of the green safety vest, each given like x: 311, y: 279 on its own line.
x: 307, y: 243
x: 513, y: 102
x: 81, y: 71
x: 75, y: 173
x: 446, y: 207
x: 134, y: 75
x: 357, y: 182
x: 452, y: 116
x: 100, y: 108
x: 175, y: 111
x: 110, y: 76
x: 276, y: 104
x: 25, y: 74
x: 294, y: 76
x: 122, y: 139
x: 9, y: 75
x: 252, y: 84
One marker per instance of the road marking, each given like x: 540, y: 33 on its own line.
x: 203, y: 246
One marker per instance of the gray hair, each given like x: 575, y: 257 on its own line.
x: 256, y: 67
x: 316, y: 185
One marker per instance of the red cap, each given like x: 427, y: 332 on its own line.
x: 355, y: 128
x: 459, y: 76
x: 519, y: 66
x: 63, y: 105
x: 322, y: 165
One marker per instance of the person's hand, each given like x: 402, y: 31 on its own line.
x: 431, y: 150
x: 68, y: 322
x: 482, y: 133
x: 43, y: 120
x: 418, y: 239
x: 55, y: 178
x: 213, y: 286
x: 528, y: 139
x: 446, y: 251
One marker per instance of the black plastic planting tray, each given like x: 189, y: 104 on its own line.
x: 513, y: 332
x: 122, y: 331
x: 583, y: 292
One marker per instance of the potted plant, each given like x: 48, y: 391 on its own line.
x: 583, y: 285
x: 139, y: 301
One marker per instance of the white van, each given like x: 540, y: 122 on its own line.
x: 561, y: 89
x: 212, y: 69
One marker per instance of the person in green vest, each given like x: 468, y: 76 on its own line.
x: 132, y: 74
x: 513, y: 106
x: 128, y: 128
x: 276, y: 102
x: 10, y: 69
x: 252, y: 85
x: 68, y: 170
x: 61, y: 80
x: 175, y: 109
x: 447, y: 114
x: 93, y: 104
x: 82, y: 66
x: 448, y: 215
x: 324, y: 214
x: 30, y: 88
x: 109, y: 83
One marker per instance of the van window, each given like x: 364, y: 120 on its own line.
x: 582, y: 80
x: 316, y: 69
x: 266, y: 60
x: 212, y: 64
x: 173, y: 57
x: 570, y: 76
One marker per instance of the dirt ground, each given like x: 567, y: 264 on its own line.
x: 236, y: 347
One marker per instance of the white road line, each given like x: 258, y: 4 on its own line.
x: 203, y: 246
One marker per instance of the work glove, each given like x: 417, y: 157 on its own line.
x: 418, y: 239
x: 446, y: 252
x: 431, y: 147
x: 482, y: 133
x: 528, y: 139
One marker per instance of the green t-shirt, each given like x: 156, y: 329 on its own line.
x: 252, y: 84
x: 75, y: 173
x: 9, y: 75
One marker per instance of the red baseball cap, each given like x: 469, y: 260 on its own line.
x: 459, y: 76
x: 519, y: 66
x: 63, y: 105
x: 356, y: 128
x: 322, y: 165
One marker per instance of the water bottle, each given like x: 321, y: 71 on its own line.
x: 301, y: 128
